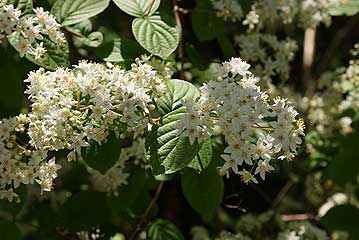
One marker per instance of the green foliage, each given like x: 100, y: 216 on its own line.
x: 56, y: 55
x: 169, y: 150
x: 344, y: 161
x: 138, y: 8
x: 163, y: 230
x: 25, y: 6
x: 155, y: 35
x: 69, y: 12
x: 347, y: 7
x: 204, y: 191
x: 174, y: 150
x: 122, y: 49
x: 84, y: 210
x: 129, y: 194
x: 203, y: 158
x: 206, y: 25
x: 103, y: 157
x: 9, y: 231
x: 343, y: 218
x: 177, y: 91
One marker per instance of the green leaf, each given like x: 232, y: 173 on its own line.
x: 123, y: 49
x: 69, y: 12
x: 163, y: 230
x: 346, y: 7
x: 343, y: 218
x: 84, y: 210
x: 206, y: 25
x: 177, y: 91
x: 203, y: 158
x: 9, y: 231
x: 155, y: 35
x: 169, y: 150
x: 138, y: 8
x: 56, y: 55
x: 174, y: 150
x: 204, y: 192
x: 103, y: 157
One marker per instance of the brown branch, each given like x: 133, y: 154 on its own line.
x: 298, y: 217
x: 308, y: 59
x: 147, y: 211
x: 179, y: 25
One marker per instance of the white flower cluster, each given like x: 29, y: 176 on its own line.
x: 270, y: 56
x: 115, y: 177
x: 254, y: 128
x: 70, y: 108
x: 349, y: 87
x: 228, y: 9
x: 308, y: 13
x: 301, y: 231
x: 20, y: 163
x: 29, y: 30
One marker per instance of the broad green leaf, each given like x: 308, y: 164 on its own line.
x: 103, y: 157
x: 138, y: 8
x: 206, y: 25
x: 169, y: 151
x: 57, y: 55
x: 84, y: 210
x: 204, y: 191
x: 69, y: 12
x: 174, y: 150
x: 203, y: 158
x: 9, y: 231
x: 345, y: 7
x: 155, y: 35
x: 163, y: 230
x: 343, y: 218
x: 123, y: 49
x: 177, y: 91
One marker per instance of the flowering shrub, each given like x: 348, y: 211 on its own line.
x: 150, y: 119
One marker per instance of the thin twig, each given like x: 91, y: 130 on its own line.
x: 298, y: 217
x: 282, y: 193
x: 147, y: 211
x: 179, y: 25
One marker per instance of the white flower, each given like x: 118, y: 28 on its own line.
x: 247, y: 177
x: 230, y: 163
x: 39, y: 51
x: 237, y: 66
x: 263, y: 167
x: 252, y: 19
